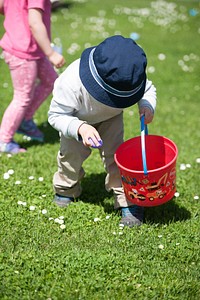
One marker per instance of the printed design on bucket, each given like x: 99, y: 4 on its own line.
x: 159, y: 184
x: 146, y: 190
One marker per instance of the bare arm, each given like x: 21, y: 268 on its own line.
x: 1, y: 7
x: 40, y: 34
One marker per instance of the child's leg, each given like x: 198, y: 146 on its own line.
x: 70, y: 158
x: 23, y: 74
x: 47, y: 76
x: 111, y: 132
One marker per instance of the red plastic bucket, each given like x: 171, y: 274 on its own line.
x: 159, y: 185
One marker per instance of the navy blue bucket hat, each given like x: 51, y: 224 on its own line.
x: 114, y: 71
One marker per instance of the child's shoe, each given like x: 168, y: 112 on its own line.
x: 11, y: 147
x: 29, y: 128
x: 132, y: 216
x: 62, y: 201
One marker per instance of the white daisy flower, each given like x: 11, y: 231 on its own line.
x: 96, y: 219
x: 21, y: 203
x: 182, y: 167
x: 176, y: 194
x: 198, y: 160
x: 11, y: 172
x: 161, y: 56
x: 26, y: 138
x: 31, y: 177
x: 56, y: 220
x: 131, y: 113
x: 107, y: 217
x: 32, y: 207
x: 196, y: 197
x: 151, y: 69
x: 44, y: 211
x: 61, y: 222
x: 6, y: 176
x: 17, y: 182
x: 5, y: 85
x: 40, y: 178
x: 62, y: 226
x: 161, y: 247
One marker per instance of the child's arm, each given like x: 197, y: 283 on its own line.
x: 40, y: 34
x: 1, y: 7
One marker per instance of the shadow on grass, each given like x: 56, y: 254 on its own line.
x: 169, y: 212
x: 60, y: 4
x: 94, y: 192
x: 50, y: 134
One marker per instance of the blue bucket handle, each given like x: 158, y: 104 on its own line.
x: 144, y: 131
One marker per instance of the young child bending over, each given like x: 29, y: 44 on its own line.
x: 87, y: 109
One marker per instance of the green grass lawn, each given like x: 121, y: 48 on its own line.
x: 92, y: 258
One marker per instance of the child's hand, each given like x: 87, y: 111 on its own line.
x: 90, y: 136
x: 147, y: 112
x: 56, y: 59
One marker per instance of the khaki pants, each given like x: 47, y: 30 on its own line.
x: 72, y: 154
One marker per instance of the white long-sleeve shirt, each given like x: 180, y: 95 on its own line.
x: 72, y: 105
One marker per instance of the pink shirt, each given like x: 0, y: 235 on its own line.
x: 18, y: 39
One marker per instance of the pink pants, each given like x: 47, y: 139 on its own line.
x: 33, y: 82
